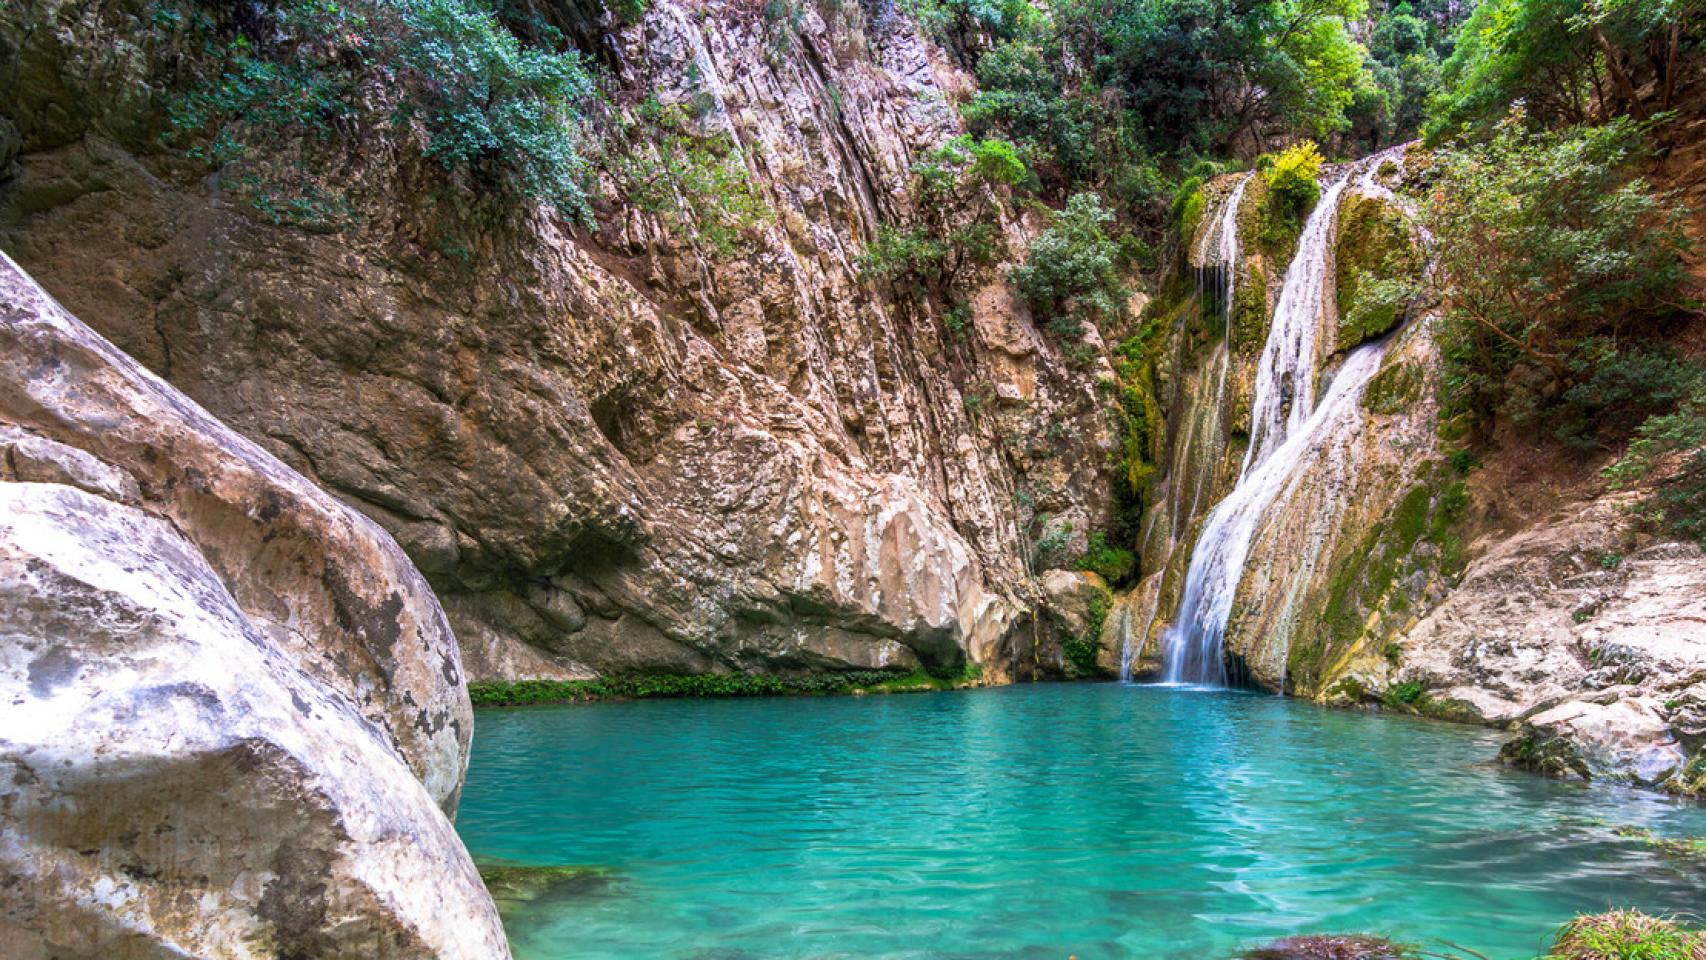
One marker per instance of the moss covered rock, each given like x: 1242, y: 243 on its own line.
x: 1377, y: 268
x: 515, y: 885
x: 1393, y: 390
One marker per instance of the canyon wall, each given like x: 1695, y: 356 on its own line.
x: 615, y: 449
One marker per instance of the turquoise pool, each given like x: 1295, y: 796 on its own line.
x: 1096, y: 820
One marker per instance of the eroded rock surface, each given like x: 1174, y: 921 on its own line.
x: 234, y: 715
x: 1600, y: 655
x: 622, y: 450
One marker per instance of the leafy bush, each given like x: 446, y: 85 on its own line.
x: 1070, y: 274
x: 1678, y: 503
x: 1292, y: 190
x: 1081, y: 650
x: 1553, y: 56
x: 490, y: 106
x: 699, y: 184
x: 896, y: 255
x: 1111, y: 563
x: 1546, y: 243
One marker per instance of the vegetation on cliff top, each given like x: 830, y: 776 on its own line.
x: 283, y: 87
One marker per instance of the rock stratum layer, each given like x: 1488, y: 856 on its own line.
x: 619, y: 450
x: 236, y: 719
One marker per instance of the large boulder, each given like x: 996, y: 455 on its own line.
x: 1626, y: 740
x: 234, y: 718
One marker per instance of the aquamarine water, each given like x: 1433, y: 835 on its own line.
x: 1097, y: 820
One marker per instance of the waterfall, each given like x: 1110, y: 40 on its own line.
x: 1286, y: 426
x: 1218, y: 253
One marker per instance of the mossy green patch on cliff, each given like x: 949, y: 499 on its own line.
x: 1081, y: 650
x: 1393, y: 390
x: 1367, y: 588
x: 1377, y: 268
x: 499, y: 693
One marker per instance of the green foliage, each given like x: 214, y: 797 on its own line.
x: 966, y: 160
x: 1567, y: 61
x: 699, y: 184
x: 901, y: 255
x: 1406, y: 693
x: 671, y: 686
x: 491, y: 108
x: 1677, y: 503
x: 1070, y: 274
x: 1050, y: 549
x: 1204, y: 75
x: 1291, y: 192
x: 1113, y: 564
x: 1625, y: 935
x: 1549, y: 251
x: 1080, y: 651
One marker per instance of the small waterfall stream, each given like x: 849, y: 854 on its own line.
x: 1286, y: 425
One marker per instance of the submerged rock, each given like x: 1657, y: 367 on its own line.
x: 235, y: 719
x: 1330, y: 947
x: 514, y: 885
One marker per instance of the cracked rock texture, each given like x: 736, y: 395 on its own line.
x: 1600, y: 657
x: 616, y: 450
x: 235, y: 715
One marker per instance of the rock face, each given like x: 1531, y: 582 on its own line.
x: 619, y: 450
x: 235, y: 715
x: 1600, y: 655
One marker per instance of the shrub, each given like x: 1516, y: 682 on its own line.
x: 1292, y: 190
x: 1112, y: 564
x: 1069, y: 274
x: 698, y: 184
x: 895, y: 255
x: 491, y: 107
x: 1545, y: 242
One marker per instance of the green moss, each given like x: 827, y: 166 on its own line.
x: 1250, y: 311
x: 1361, y: 588
x: 1393, y: 390
x: 1081, y: 650
x: 495, y: 693
x: 1691, y: 849
x: 514, y: 885
x: 1377, y: 267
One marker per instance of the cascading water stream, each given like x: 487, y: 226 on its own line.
x: 1218, y: 256
x: 1286, y: 423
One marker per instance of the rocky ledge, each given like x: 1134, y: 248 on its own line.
x: 236, y: 720
x: 1589, y: 644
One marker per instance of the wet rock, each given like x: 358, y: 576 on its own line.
x: 237, y: 713
x: 1330, y: 947
x: 1626, y: 740
x: 514, y: 886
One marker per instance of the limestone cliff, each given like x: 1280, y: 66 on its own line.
x: 613, y: 449
x: 235, y: 715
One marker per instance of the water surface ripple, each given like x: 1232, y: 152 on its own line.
x: 1100, y: 820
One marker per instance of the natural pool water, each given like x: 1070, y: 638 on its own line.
x: 1097, y: 820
